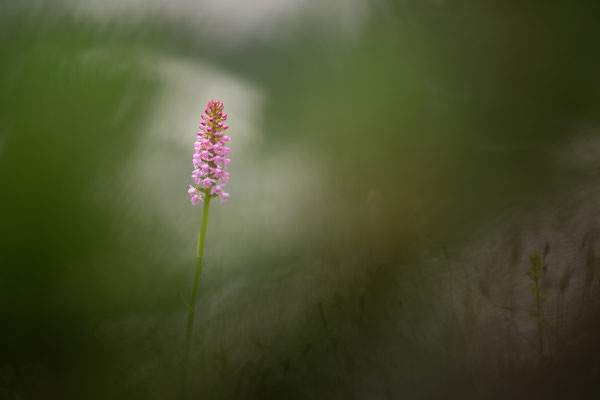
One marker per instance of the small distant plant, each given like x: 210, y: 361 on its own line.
x: 536, y: 273
x: 210, y: 165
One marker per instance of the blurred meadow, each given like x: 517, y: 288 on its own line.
x: 394, y: 165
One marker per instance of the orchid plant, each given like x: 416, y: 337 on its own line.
x: 209, y: 176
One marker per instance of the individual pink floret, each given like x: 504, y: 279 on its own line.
x: 197, y: 176
x: 208, y: 182
x: 204, y: 169
x: 195, y: 196
x: 206, y: 155
x: 218, y: 172
x: 218, y: 189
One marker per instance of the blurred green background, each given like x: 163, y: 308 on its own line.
x: 394, y: 163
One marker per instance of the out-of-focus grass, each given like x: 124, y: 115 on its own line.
x: 72, y: 100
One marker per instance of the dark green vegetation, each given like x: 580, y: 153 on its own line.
x: 377, y: 241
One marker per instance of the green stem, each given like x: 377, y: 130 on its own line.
x: 199, y: 268
x: 539, y: 321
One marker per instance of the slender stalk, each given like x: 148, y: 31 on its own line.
x: 197, y: 274
x: 536, y: 273
x: 539, y: 320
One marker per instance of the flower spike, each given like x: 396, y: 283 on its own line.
x: 209, y: 160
